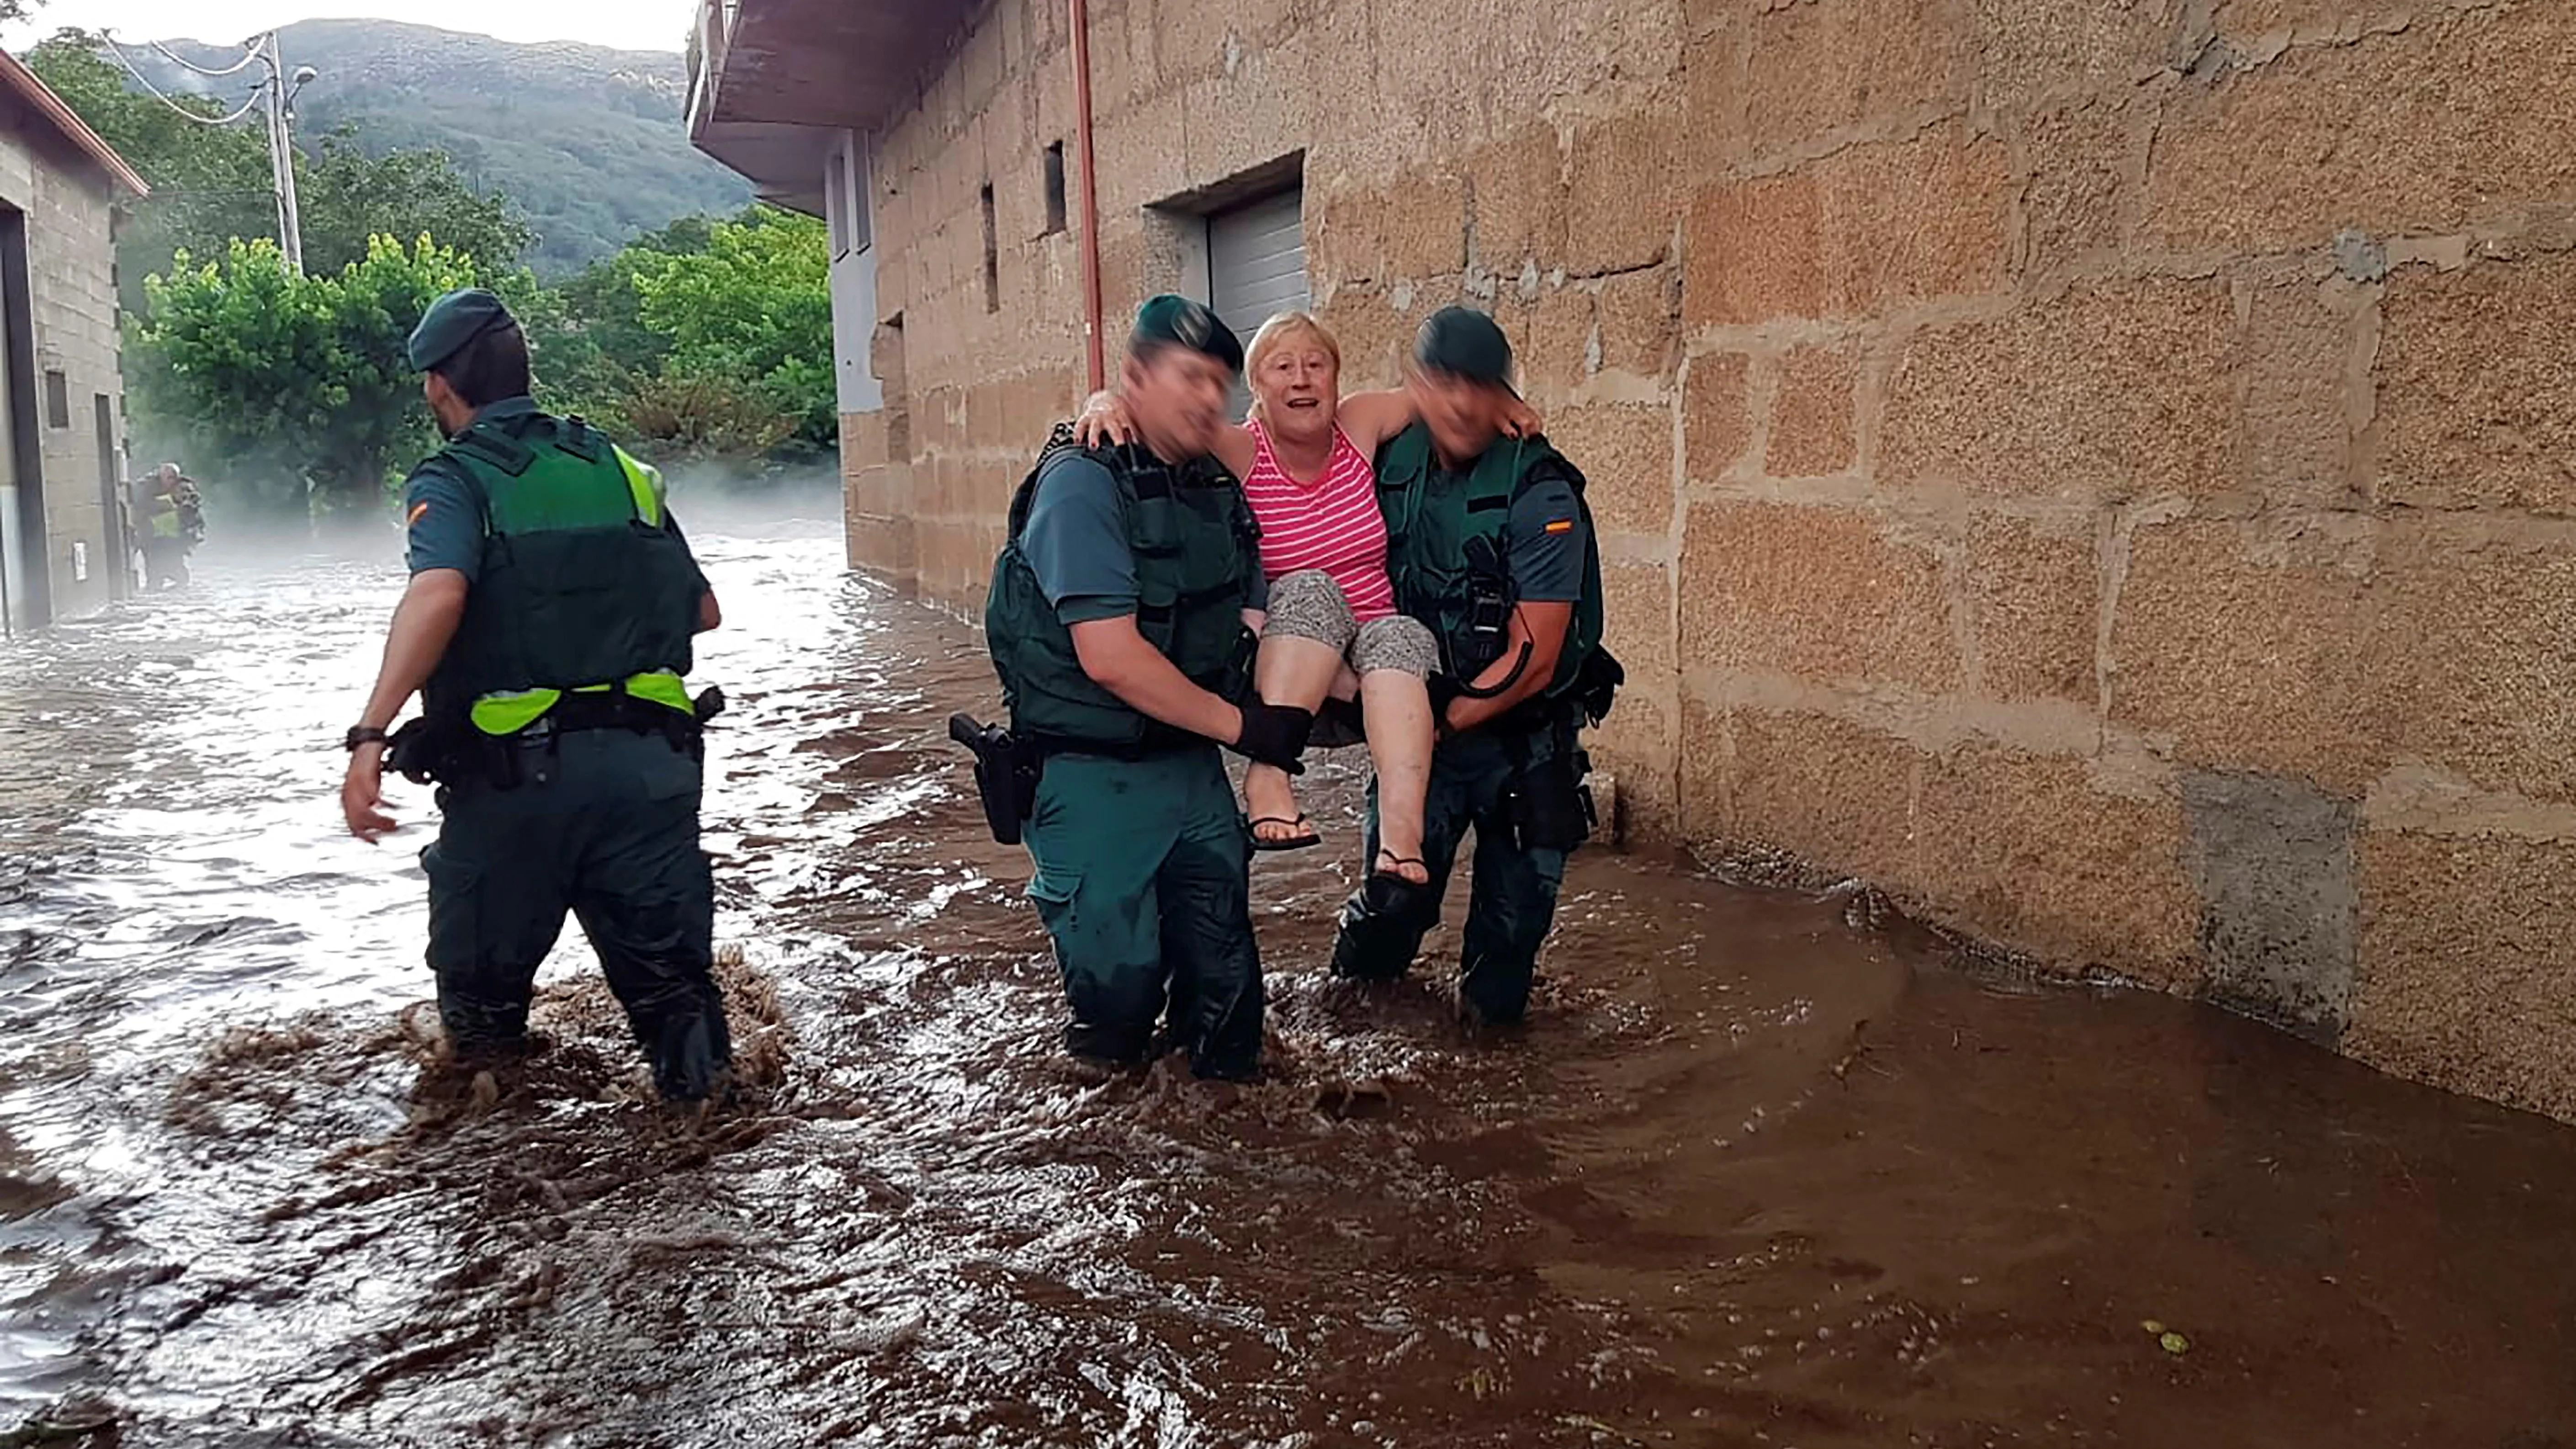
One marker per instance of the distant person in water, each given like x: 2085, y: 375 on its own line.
x: 548, y: 623
x: 174, y: 523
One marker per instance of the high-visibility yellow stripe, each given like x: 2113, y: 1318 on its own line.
x: 645, y: 482
x: 509, y: 712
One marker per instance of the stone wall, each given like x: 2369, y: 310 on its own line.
x: 2098, y: 471
x: 71, y: 280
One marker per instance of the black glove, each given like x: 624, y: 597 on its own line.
x: 1444, y: 688
x: 1274, y: 734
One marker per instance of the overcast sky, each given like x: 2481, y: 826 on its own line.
x: 625, y: 24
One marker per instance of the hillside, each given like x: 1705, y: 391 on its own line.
x: 589, y: 142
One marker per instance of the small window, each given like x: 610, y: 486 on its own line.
x: 1054, y: 189
x: 58, y: 400
x: 836, y: 203
x: 992, y: 256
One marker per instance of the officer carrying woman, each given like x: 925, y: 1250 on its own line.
x: 1118, y: 623
x: 547, y: 628
x: 1490, y: 544
x: 1121, y: 622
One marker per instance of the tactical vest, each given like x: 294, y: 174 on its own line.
x: 583, y: 586
x: 1434, y: 522
x: 1197, y: 553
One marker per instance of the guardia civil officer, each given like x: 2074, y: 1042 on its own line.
x: 1117, y: 622
x: 547, y: 628
x: 1490, y: 544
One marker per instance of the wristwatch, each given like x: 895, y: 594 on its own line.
x: 362, y: 735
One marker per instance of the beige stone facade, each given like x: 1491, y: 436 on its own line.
x: 62, y: 409
x: 2104, y: 473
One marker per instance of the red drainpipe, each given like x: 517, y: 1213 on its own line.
x: 1081, y: 19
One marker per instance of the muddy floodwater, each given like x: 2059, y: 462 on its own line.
x: 1751, y: 1176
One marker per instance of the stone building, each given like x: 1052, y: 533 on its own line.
x: 2100, y: 472
x: 62, y: 397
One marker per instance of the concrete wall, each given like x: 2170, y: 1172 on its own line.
x: 71, y: 281
x: 2099, y: 472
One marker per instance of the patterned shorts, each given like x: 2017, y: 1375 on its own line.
x: 1310, y: 605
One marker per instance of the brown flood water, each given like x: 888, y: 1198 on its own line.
x: 1750, y: 1177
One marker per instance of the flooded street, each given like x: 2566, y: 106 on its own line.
x: 1751, y: 1176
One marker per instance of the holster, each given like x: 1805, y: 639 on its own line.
x: 434, y: 749
x: 1006, y: 774
x: 1547, y: 801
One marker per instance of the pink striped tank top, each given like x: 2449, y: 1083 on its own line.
x: 1332, y: 525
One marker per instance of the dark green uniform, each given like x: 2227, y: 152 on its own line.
x: 1511, y: 528
x: 1141, y: 855
x: 578, y: 767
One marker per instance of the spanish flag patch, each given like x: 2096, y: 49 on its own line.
x: 1561, y: 525
x: 420, y: 511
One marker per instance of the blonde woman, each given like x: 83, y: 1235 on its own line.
x: 1332, y: 627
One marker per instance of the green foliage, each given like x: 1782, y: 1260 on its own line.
x: 754, y: 307
x: 589, y: 143
x: 703, y: 420
x: 210, y: 183
x: 297, y: 384
x: 349, y: 197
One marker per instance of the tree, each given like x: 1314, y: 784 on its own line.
x: 299, y: 385
x: 349, y: 197
x: 210, y: 183
x: 755, y: 307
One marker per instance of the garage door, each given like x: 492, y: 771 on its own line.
x: 1256, y: 267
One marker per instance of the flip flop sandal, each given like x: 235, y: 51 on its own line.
x: 1388, y: 858
x: 1390, y: 892
x: 1289, y: 842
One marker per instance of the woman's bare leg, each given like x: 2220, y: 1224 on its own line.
x: 1288, y: 670
x: 1396, y: 706
x: 1395, y: 656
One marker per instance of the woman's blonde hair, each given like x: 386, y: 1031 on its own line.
x: 1278, y: 332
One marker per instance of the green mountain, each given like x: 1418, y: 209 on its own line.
x: 588, y: 142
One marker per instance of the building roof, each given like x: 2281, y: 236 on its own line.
x: 23, y: 84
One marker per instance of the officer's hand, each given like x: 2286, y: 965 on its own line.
x: 1520, y: 420
x: 362, y: 794
x: 1275, y: 734
x: 1104, y: 423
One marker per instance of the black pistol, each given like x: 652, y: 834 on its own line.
x: 999, y: 776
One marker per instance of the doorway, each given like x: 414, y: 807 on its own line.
x: 111, y: 498
x: 25, y: 596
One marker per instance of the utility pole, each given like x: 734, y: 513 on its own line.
x: 280, y: 96
x: 273, y: 98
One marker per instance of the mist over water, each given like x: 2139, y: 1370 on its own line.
x: 1750, y: 1175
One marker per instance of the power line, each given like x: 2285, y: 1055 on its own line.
x: 250, y: 56
x: 155, y: 92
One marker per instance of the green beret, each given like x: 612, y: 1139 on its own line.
x: 1463, y: 342
x: 452, y: 321
x: 1189, y: 324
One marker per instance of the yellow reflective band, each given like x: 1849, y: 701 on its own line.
x: 644, y: 481
x: 510, y: 712
x: 664, y: 688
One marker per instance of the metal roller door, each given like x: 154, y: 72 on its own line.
x: 1257, y: 267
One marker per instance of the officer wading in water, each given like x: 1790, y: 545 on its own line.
x: 547, y: 628
x: 1490, y: 543
x: 1118, y: 624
